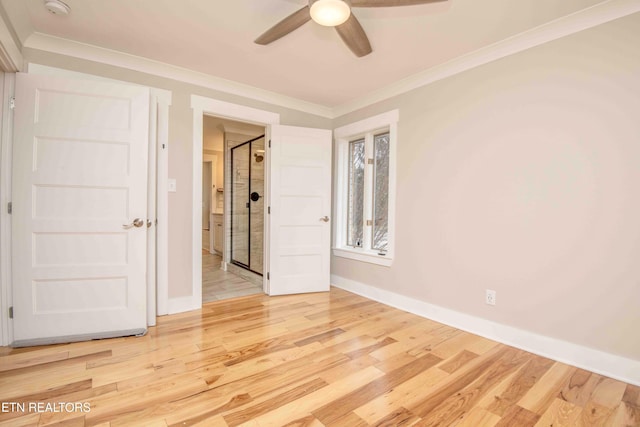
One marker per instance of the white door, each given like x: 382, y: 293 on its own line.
x: 79, y: 182
x: 299, y: 231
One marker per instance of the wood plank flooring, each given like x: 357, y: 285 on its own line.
x: 331, y: 359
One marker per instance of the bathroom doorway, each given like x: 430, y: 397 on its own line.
x: 222, y: 278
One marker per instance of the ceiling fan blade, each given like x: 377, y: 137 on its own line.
x: 285, y: 26
x: 389, y: 3
x: 354, y: 37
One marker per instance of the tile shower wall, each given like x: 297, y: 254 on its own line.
x: 240, y: 204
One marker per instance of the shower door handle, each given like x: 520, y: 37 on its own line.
x: 324, y: 219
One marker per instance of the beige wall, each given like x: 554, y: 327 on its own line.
x: 522, y: 176
x: 180, y: 149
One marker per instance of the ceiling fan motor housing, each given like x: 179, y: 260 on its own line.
x: 337, y: 14
x: 330, y: 13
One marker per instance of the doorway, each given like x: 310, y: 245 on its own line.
x: 223, y: 277
x: 297, y: 230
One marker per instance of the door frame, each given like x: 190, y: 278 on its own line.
x: 202, y: 106
x: 158, y: 284
x: 6, y: 146
x: 213, y: 159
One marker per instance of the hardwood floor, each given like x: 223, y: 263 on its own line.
x: 333, y: 359
x: 218, y: 284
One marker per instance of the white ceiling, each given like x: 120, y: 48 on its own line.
x: 215, y: 37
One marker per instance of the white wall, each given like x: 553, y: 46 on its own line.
x: 522, y: 176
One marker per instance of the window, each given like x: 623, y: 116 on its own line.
x: 365, y: 189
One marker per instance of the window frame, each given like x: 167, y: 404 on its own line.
x: 343, y: 136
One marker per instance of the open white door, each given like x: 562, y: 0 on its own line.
x: 79, y: 184
x: 300, y: 204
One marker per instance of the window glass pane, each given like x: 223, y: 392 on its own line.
x: 381, y: 192
x: 356, y: 194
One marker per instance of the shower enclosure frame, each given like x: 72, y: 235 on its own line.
x: 246, y: 266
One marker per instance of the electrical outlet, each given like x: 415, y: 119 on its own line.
x: 490, y: 297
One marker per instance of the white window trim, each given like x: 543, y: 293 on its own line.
x: 343, y: 135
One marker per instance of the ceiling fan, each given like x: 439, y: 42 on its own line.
x: 334, y: 13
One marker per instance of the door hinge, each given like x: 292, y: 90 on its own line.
x: 268, y: 276
x: 10, y: 312
x: 269, y: 210
x: 9, y: 207
x: 269, y: 143
x: 369, y: 223
x: 12, y: 103
x: 369, y: 161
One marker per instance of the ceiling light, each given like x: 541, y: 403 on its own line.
x: 330, y: 12
x: 57, y: 7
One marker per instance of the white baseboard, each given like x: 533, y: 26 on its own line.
x: 182, y: 304
x: 610, y: 365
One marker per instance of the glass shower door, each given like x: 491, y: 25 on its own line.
x: 247, y: 205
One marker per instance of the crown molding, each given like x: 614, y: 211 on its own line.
x: 10, y: 55
x: 562, y: 27
x: 47, y: 43
x: 553, y: 30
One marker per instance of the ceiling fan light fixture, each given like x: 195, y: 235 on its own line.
x: 330, y: 12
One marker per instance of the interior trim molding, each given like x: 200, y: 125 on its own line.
x: 164, y: 99
x: 202, y: 106
x: 556, y: 29
x: 10, y: 55
x: 7, y: 90
x: 47, y: 43
x: 562, y: 27
x: 610, y: 365
x: 233, y: 111
x: 180, y: 305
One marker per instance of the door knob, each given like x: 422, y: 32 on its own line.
x: 136, y: 223
x: 325, y: 218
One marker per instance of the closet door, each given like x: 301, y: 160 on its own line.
x: 79, y: 209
